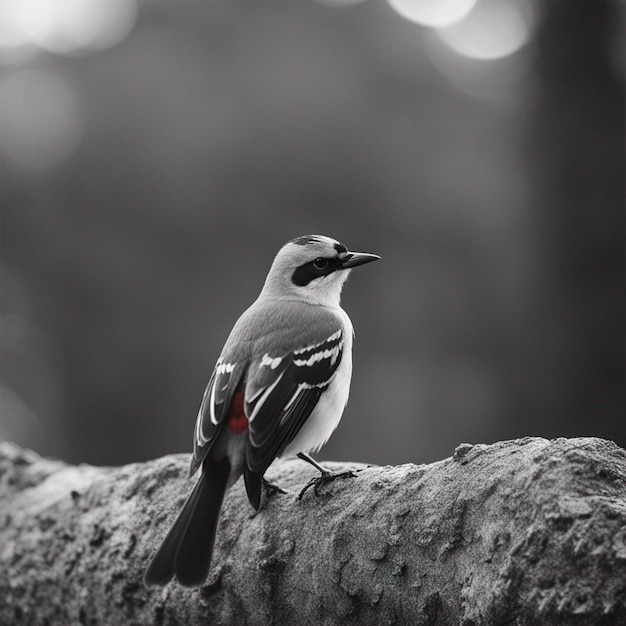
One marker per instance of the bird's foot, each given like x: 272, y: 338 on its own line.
x: 326, y: 477
x: 272, y: 488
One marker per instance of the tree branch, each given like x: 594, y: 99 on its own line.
x: 520, y: 532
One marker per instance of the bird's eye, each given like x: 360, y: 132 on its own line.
x: 320, y: 263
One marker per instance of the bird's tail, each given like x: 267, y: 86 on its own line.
x: 187, y: 548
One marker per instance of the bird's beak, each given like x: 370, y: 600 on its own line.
x: 352, y: 259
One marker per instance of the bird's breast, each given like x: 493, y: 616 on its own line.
x: 326, y: 415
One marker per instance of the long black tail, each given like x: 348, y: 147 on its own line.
x: 187, y: 548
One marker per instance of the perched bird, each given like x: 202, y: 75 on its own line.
x: 279, y: 387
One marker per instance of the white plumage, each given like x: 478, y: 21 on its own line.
x: 330, y: 407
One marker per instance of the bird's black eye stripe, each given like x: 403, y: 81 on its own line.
x: 315, y: 269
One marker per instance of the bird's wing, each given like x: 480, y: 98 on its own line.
x: 282, y: 391
x: 217, y: 397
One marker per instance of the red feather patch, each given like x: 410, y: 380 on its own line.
x: 236, y: 419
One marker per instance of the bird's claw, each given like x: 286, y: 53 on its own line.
x: 325, y: 477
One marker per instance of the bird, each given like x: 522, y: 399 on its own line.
x: 279, y: 388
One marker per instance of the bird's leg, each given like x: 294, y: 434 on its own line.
x: 325, y: 477
x: 272, y: 488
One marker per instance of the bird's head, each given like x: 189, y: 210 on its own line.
x: 313, y: 268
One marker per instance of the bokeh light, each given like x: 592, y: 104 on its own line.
x: 493, y: 30
x: 42, y: 120
x: 139, y: 184
x: 497, y: 80
x: 66, y: 26
x: 433, y: 13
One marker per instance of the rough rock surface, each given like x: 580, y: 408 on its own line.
x: 529, y: 531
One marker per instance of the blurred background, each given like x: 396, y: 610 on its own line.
x: 155, y: 155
